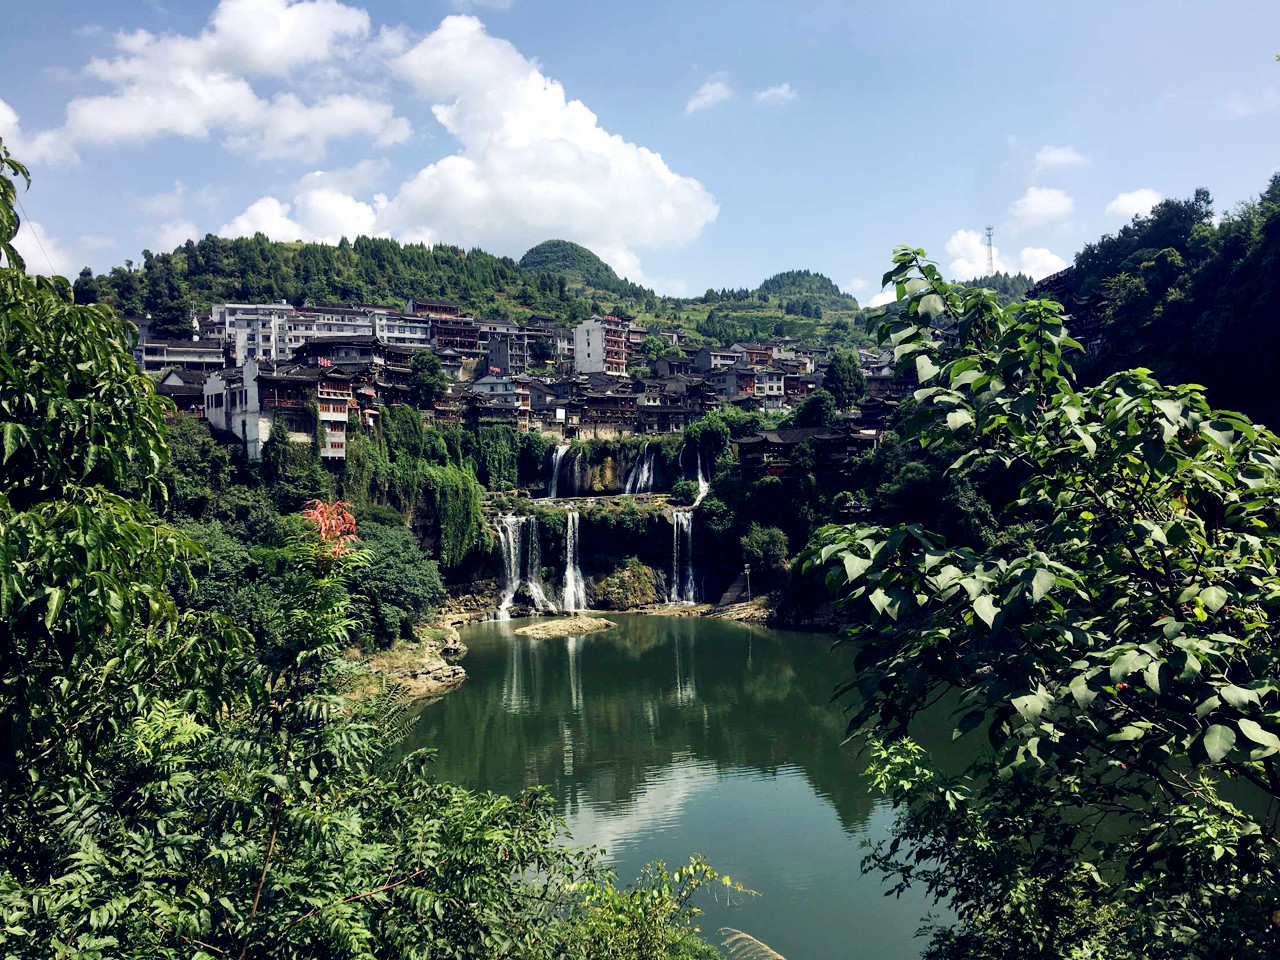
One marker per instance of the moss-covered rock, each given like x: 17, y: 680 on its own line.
x: 634, y: 585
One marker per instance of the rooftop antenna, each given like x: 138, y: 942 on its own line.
x: 991, y: 252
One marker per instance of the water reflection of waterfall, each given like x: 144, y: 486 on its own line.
x: 553, y: 485
x: 640, y: 476
x: 686, y: 684
x: 574, y: 647
x: 575, y: 588
x: 682, y: 588
x: 521, y: 552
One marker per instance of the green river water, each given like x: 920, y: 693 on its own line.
x: 672, y: 736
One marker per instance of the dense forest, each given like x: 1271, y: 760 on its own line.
x: 1189, y: 295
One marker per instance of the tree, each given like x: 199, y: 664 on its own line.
x: 818, y: 410
x: 1120, y: 656
x: 764, y: 547
x: 653, y: 348
x: 429, y: 381
x: 843, y: 379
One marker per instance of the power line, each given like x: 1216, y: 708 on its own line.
x: 36, y: 233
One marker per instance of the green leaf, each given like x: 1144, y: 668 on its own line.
x: 931, y: 305
x: 926, y: 369
x: 1214, y: 598
x: 1081, y: 691
x: 1238, y: 697
x: 958, y: 418
x: 1255, y: 732
x: 1218, y: 741
x: 986, y: 608
x: 1041, y: 584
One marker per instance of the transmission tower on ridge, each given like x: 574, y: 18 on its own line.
x: 991, y: 253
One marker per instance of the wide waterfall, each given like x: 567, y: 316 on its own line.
x: 521, y: 563
x: 640, y: 476
x: 682, y: 589
x: 553, y: 485
x: 575, y: 587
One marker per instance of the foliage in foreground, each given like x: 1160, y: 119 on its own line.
x: 1118, y: 657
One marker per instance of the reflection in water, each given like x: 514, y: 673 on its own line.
x: 671, y: 736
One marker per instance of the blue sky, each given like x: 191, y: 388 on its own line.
x: 690, y: 144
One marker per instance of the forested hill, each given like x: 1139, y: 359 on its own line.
x: 800, y: 282
x: 1190, y: 298
x: 579, y: 265
x: 170, y: 286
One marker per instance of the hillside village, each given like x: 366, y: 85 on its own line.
x: 326, y: 368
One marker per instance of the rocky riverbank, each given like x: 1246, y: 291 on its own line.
x: 426, y: 668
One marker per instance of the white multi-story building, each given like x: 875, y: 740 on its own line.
x: 256, y: 331
x: 273, y: 331
x: 600, y: 346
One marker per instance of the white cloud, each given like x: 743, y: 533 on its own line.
x: 1047, y: 158
x: 42, y: 253
x: 174, y: 234
x: 320, y: 214
x: 1135, y: 203
x: 1266, y: 100
x: 773, y: 96
x: 1039, y: 262
x: 968, y: 252
x: 329, y: 215
x: 363, y: 176
x: 196, y: 86
x: 858, y: 285
x: 28, y: 148
x: 266, y: 215
x: 1038, y: 206
x: 89, y: 241
x: 880, y: 299
x: 167, y: 203
x: 715, y: 90
x: 532, y: 164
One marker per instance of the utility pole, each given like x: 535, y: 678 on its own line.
x: 991, y: 252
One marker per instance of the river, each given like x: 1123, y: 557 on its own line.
x: 672, y: 736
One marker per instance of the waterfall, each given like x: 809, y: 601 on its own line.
x: 556, y: 456
x: 575, y: 588
x: 509, y: 543
x: 640, y: 476
x: 521, y: 563
x: 682, y: 588
x: 533, y: 570
x: 704, y: 485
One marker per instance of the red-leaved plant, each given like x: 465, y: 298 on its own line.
x: 335, y: 525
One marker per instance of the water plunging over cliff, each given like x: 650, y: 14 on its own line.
x: 704, y: 484
x: 575, y: 588
x: 556, y: 456
x: 521, y: 563
x: 640, y: 476
x: 682, y: 588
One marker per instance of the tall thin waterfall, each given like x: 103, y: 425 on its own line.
x: 521, y: 563
x: 575, y: 587
x: 556, y: 456
x: 533, y: 570
x: 682, y: 588
x: 509, y: 543
x: 640, y: 476
x: 703, y: 483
